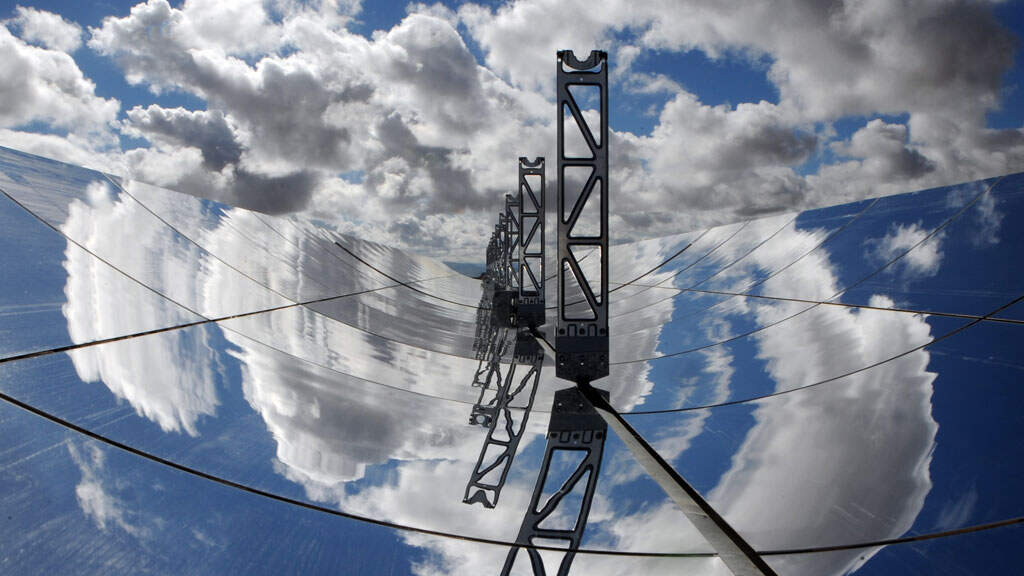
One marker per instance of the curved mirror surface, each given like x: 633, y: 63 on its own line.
x: 271, y: 396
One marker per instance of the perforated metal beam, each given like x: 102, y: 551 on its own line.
x: 581, y: 336
x: 581, y: 340
x: 532, y: 191
x: 512, y: 229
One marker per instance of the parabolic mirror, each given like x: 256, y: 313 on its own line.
x: 193, y: 388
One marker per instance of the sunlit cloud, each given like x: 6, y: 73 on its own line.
x: 409, y: 135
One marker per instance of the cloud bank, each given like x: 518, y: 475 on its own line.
x: 409, y: 135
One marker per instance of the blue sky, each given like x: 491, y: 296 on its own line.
x: 402, y: 124
x: 718, y: 81
x: 728, y: 80
x: 718, y: 115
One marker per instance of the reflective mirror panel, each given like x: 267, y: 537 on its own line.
x: 193, y: 388
x: 961, y: 267
x: 55, y: 294
x: 309, y: 433
x: 281, y: 258
x: 987, y: 552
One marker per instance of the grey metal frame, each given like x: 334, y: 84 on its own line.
x: 582, y: 341
x: 581, y: 415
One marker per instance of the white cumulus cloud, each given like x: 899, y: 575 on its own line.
x: 48, y: 29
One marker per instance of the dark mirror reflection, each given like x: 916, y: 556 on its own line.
x: 835, y: 378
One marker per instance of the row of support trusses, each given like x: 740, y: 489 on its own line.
x: 512, y: 317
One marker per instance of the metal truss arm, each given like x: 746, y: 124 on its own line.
x: 532, y: 192
x: 581, y: 335
x: 512, y: 226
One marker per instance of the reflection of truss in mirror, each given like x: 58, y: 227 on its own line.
x: 489, y: 379
x: 582, y: 329
x: 484, y: 326
x: 482, y: 340
x: 575, y: 430
x: 532, y: 188
x: 493, y: 256
x: 506, y: 422
x: 501, y: 268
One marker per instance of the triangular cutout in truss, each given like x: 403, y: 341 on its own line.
x: 563, y: 464
x: 588, y: 100
x: 574, y: 180
x: 590, y: 268
x: 574, y: 142
x: 531, y: 192
x: 576, y: 305
x: 567, y: 513
x: 588, y: 221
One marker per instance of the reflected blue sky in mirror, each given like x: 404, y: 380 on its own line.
x: 888, y: 423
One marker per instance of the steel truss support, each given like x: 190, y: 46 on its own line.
x: 501, y: 266
x: 574, y: 427
x: 484, y: 328
x: 507, y: 293
x: 532, y: 190
x: 512, y: 229
x: 581, y: 336
x: 506, y: 418
x: 581, y: 349
x: 518, y: 290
